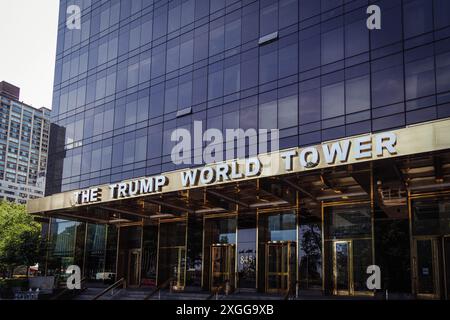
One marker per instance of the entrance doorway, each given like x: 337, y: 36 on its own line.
x: 223, y: 266
x: 430, y: 247
x: 348, y: 248
x: 134, y: 267
x: 129, y: 255
x: 172, y: 267
x: 431, y: 263
x: 129, y: 266
x: 172, y: 254
x: 280, y: 266
x: 342, y: 268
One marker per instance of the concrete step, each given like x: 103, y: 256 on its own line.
x: 90, y: 293
x: 250, y: 296
x: 166, y: 295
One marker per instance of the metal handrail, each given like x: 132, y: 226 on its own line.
x: 158, y: 288
x: 216, y: 291
x: 111, y: 287
x: 291, y: 292
x: 287, y: 295
x: 65, y: 290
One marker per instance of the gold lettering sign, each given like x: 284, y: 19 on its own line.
x: 411, y: 140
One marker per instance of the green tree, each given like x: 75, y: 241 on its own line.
x: 19, y: 237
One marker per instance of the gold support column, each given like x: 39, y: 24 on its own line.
x: 411, y: 247
x: 157, y: 253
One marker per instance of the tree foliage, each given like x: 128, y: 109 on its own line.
x: 19, y: 237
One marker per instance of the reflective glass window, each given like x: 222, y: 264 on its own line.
x: 357, y: 94
x: 392, y: 29
x: 158, y: 61
x: 288, y: 13
x: 441, y: 10
x: 215, y: 83
x: 268, y: 64
x: 233, y: 34
x: 287, y: 112
x: 232, y: 79
x: 288, y: 60
x: 268, y: 115
x: 309, y: 103
x: 332, y: 46
x: 387, y: 83
x: 419, y: 78
x: 443, y: 72
x: 216, y: 40
x: 356, y: 38
x: 309, y: 53
x: 249, y: 69
x: 333, y: 100
x: 418, y: 17
x: 268, y: 22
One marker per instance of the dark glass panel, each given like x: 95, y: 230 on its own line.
x: 443, y: 72
x: 356, y: 38
x: 332, y: 46
x: 441, y: 16
x: 268, y: 64
x: 391, y: 30
x: 343, y: 222
x: 333, y: 103
x: 288, y: 13
x: 310, y: 106
x: 431, y: 216
x: 288, y: 61
x: 268, y: 22
x: 357, y: 94
x: 419, y: 78
x: 387, y: 86
x: 309, y: 53
x: 417, y: 17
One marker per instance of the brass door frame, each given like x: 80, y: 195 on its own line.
x: 436, y: 263
x: 341, y: 203
x: 435, y: 260
x: 288, y: 245
x: 230, y: 252
x: 350, y: 290
x: 138, y: 266
x: 181, y: 284
x: 205, y: 274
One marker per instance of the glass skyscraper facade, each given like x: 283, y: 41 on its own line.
x: 313, y: 69
x: 122, y: 77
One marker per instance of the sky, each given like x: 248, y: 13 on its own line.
x: 28, y: 32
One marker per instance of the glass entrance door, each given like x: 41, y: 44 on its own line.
x: 342, y: 268
x: 222, y: 266
x: 134, y: 267
x: 280, y: 266
x: 172, y: 254
x: 426, y: 269
x: 172, y: 267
